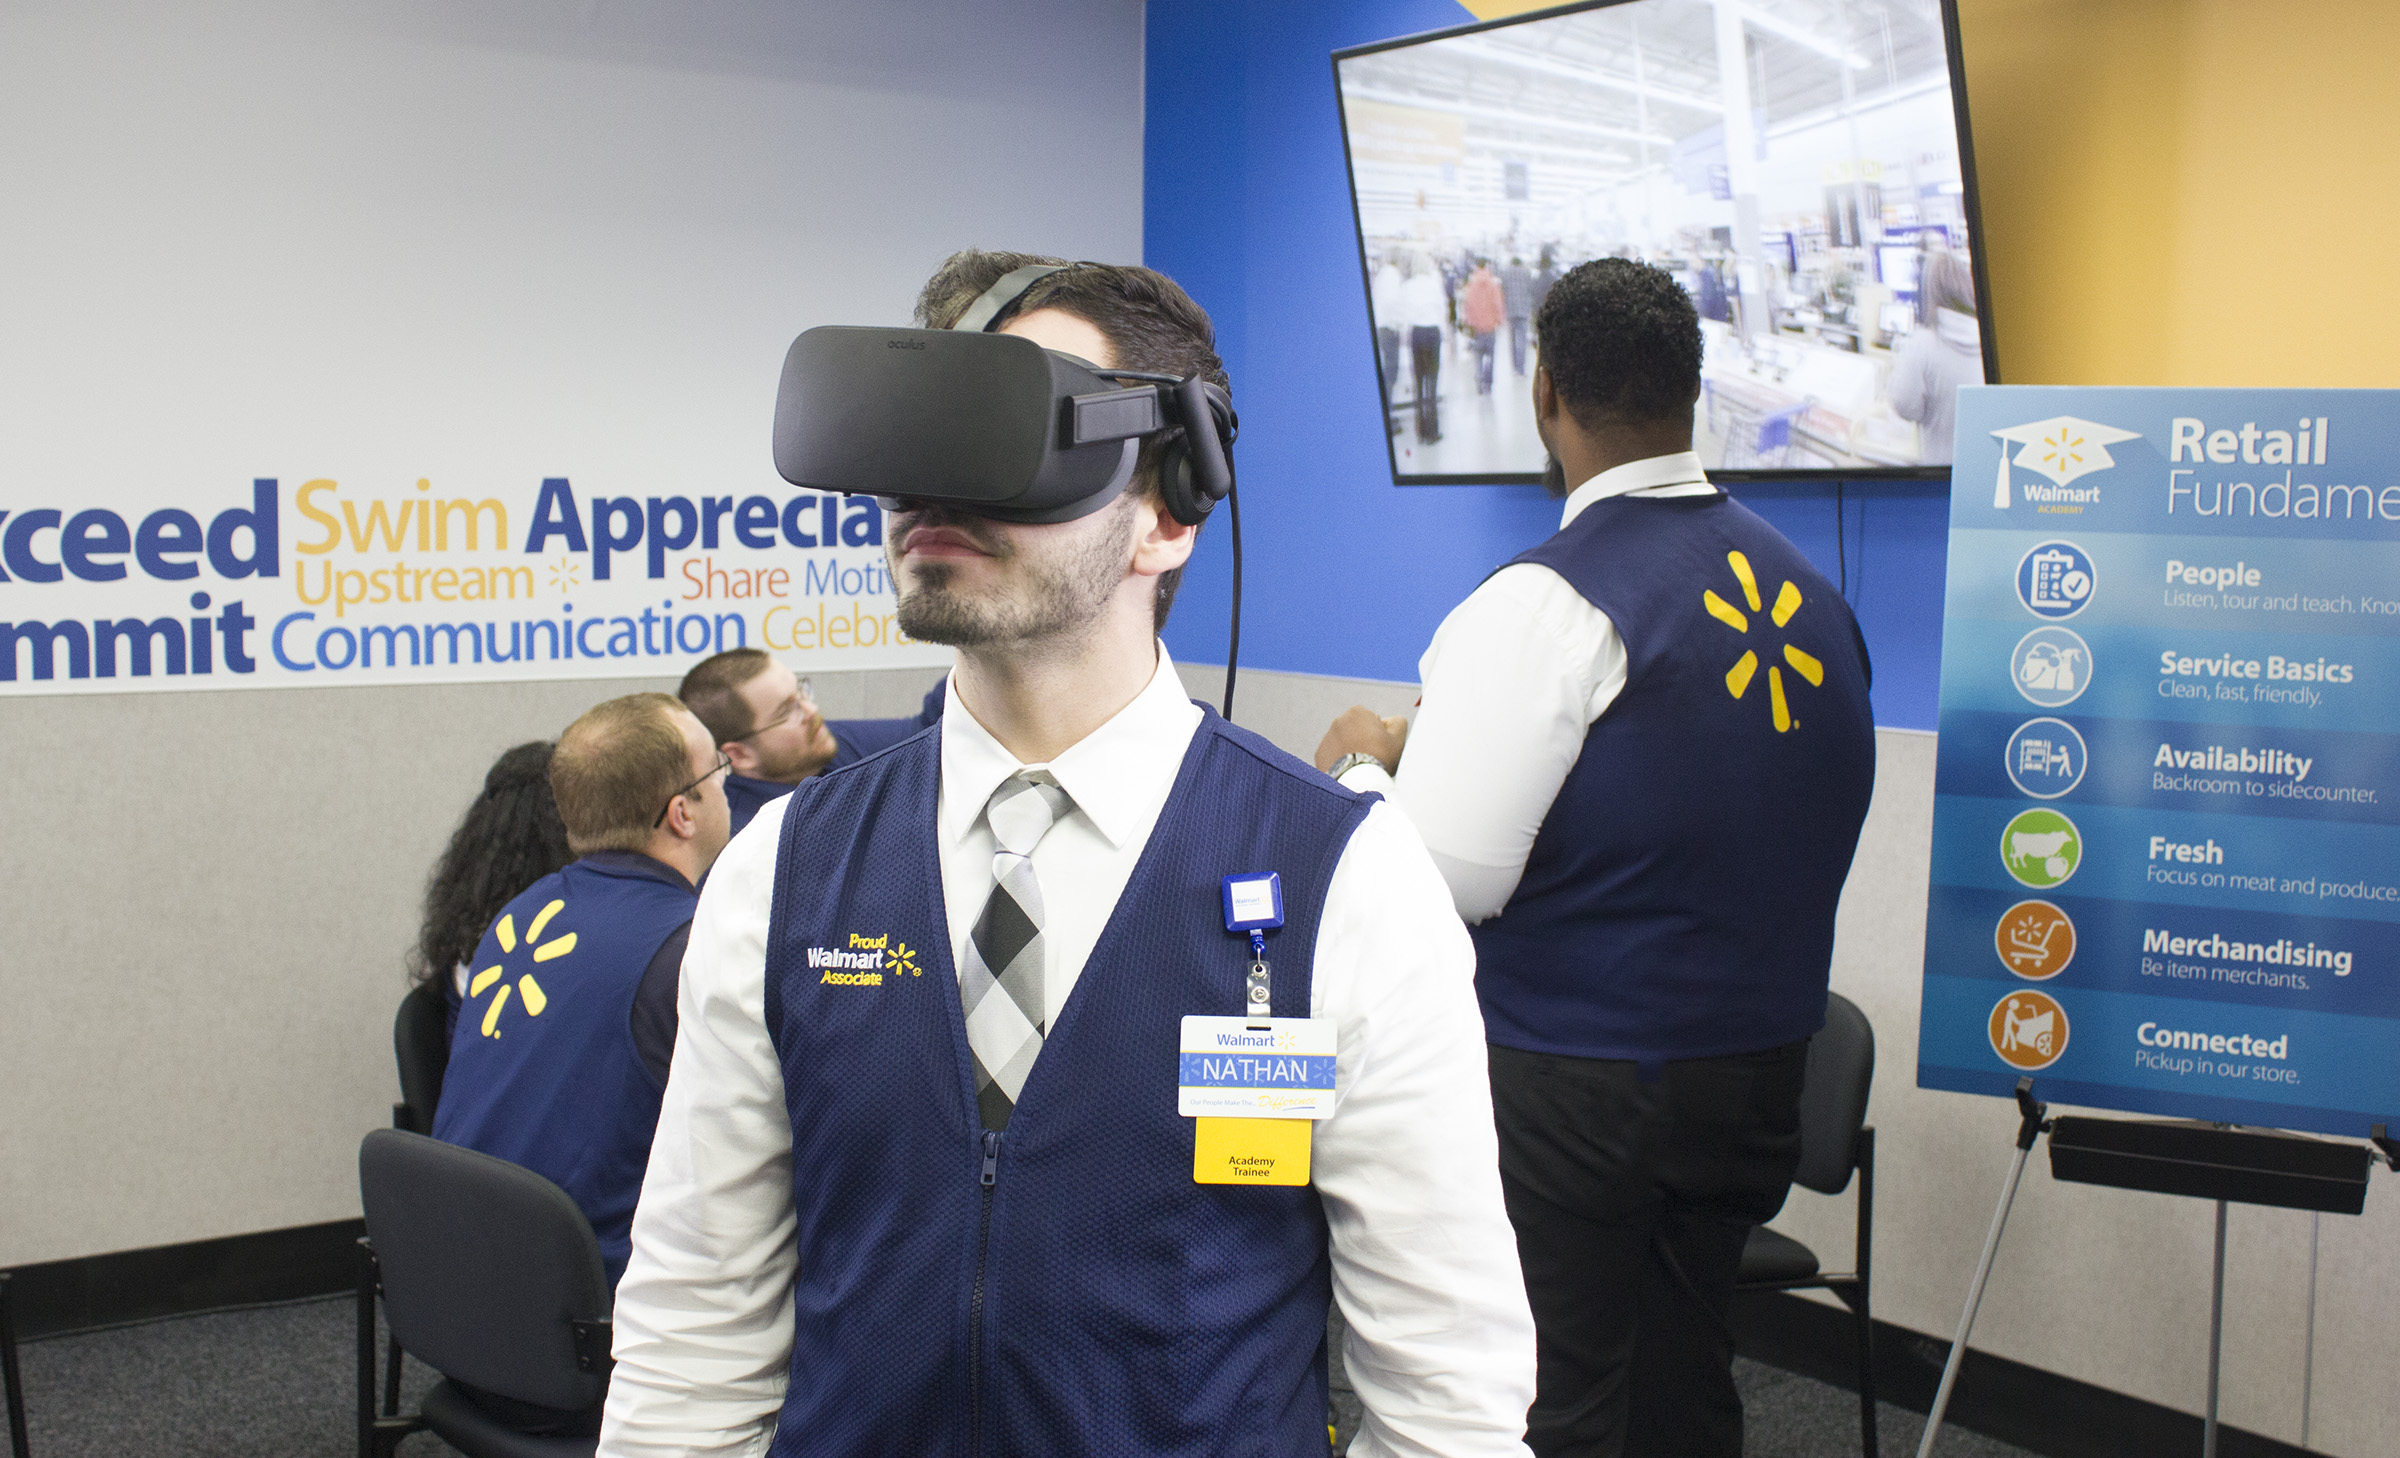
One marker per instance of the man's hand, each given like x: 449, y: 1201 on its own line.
x: 1359, y: 731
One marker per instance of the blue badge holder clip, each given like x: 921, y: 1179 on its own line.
x: 1254, y: 904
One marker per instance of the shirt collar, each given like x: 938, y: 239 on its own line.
x: 635, y: 864
x: 1648, y: 474
x: 1115, y: 774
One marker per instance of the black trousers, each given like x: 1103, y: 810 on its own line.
x: 1631, y: 1202
x: 1425, y: 360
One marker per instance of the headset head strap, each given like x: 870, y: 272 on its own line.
x: 992, y: 304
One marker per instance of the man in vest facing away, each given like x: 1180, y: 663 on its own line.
x: 563, y: 1041
x: 1642, y: 760
x: 922, y: 1185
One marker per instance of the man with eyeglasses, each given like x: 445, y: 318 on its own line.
x: 767, y: 722
x: 562, y: 1046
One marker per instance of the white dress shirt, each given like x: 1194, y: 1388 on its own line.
x: 1388, y: 298
x: 1423, y: 300
x: 1440, y: 1343
x: 1514, y: 679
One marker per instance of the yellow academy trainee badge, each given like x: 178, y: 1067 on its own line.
x: 1250, y: 1151
x: 1252, y: 1090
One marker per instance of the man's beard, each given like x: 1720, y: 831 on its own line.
x: 1053, y: 596
x: 790, y: 769
x: 1554, y: 479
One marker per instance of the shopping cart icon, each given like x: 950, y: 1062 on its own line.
x: 2035, y: 940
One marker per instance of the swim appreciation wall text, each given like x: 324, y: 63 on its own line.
x: 328, y: 581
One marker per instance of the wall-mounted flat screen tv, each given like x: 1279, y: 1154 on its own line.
x: 1802, y: 166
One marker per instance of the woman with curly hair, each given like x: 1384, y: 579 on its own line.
x: 511, y: 837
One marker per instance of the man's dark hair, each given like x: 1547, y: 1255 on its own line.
x: 1148, y: 318
x: 510, y: 838
x: 712, y: 691
x: 1622, y: 343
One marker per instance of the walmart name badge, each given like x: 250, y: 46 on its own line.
x: 1233, y: 1069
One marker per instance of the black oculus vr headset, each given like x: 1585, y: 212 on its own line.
x: 997, y: 426
x: 992, y: 424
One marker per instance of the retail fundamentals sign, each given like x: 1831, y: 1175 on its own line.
x: 326, y: 581
x: 2166, y: 847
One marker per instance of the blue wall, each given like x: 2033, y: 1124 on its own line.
x: 1246, y: 203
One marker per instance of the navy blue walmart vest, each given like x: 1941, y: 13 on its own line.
x: 543, y: 1071
x: 1065, y: 1287
x: 1679, y: 898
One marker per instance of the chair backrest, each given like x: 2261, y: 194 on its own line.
x: 1833, y: 1096
x: 487, y: 1267
x: 420, y: 1043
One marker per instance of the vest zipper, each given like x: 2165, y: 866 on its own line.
x: 983, y: 1239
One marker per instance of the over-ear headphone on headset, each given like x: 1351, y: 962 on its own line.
x: 1196, y: 470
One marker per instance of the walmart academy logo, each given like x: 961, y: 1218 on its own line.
x: 1745, y: 668
x: 2061, y: 448
x: 529, y: 991
x: 863, y: 961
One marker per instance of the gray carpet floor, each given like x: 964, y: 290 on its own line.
x: 279, y: 1382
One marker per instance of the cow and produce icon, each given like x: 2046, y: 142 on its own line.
x: 2041, y: 848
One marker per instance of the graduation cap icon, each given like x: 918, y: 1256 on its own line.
x: 2061, y: 448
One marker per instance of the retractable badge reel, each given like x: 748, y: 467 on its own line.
x: 1253, y: 1083
x: 1254, y: 904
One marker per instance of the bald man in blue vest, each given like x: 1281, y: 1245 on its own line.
x: 564, y: 1039
x: 1641, y: 762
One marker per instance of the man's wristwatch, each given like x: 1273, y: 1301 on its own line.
x: 1349, y: 762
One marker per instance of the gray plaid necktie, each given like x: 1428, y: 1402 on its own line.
x: 1000, y: 983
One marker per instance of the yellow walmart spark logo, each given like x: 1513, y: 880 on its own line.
x: 529, y: 991
x: 1745, y: 668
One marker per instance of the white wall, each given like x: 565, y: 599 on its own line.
x: 374, y: 237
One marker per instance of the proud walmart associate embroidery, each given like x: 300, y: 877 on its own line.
x: 864, y: 961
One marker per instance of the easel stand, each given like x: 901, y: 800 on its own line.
x: 2029, y: 1128
x: 2210, y: 1162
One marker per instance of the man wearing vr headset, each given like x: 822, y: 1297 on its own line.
x: 1643, y: 757
x: 924, y: 1182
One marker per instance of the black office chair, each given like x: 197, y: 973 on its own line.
x: 491, y: 1275
x: 423, y: 1050
x: 11, y: 1377
x: 1834, y: 1140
